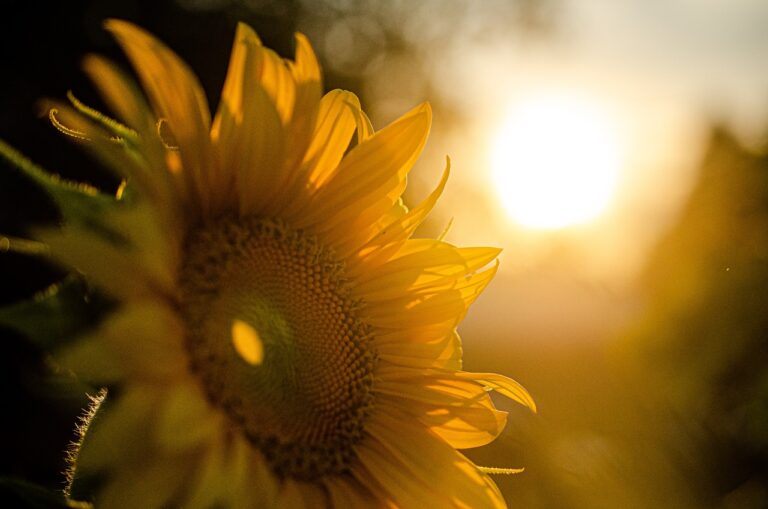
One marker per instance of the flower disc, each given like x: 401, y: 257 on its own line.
x: 304, y: 407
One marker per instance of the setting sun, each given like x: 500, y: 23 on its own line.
x: 555, y: 162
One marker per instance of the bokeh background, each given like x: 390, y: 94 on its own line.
x: 616, y: 150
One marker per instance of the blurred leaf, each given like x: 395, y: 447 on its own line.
x: 25, y: 495
x: 78, y: 203
x: 55, y: 314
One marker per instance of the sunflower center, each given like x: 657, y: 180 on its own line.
x: 272, y: 332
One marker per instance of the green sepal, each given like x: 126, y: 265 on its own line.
x: 26, y: 495
x: 118, y: 130
x: 57, y: 313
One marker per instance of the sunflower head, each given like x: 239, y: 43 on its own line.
x: 281, y: 340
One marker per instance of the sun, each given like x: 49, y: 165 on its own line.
x: 556, y: 161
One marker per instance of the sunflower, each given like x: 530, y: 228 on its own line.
x: 280, y: 340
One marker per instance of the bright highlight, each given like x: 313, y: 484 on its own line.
x: 555, y: 162
x: 247, y: 343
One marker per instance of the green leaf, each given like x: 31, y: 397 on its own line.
x: 26, y: 495
x: 78, y: 203
x: 57, y: 313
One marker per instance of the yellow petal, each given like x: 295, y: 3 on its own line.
x: 178, y: 98
x: 153, y: 485
x: 389, y: 238
x: 504, y: 386
x: 261, y: 147
x: 248, y: 132
x: 369, y: 221
x: 334, y: 127
x: 465, y: 427
x: 208, y: 484
x: 305, y: 71
x: 92, y: 362
x: 374, y: 169
x: 185, y: 418
x: 416, y: 311
x: 364, y: 126
x: 329, y: 141
x: 120, y: 93
x: 143, y: 339
x: 465, y: 424
x: 230, y: 475
x: 276, y: 78
x: 439, y: 389
x: 296, y: 495
x: 417, y: 351
x: 415, y: 465
x: 425, y: 333
x: 113, y: 268
x: 229, y: 115
x: 348, y: 491
x: 438, y: 266
x: 120, y: 431
x: 430, y: 305
x: 245, y: 469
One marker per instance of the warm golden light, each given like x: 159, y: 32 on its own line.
x: 555, y: 162
x: 247, y: 342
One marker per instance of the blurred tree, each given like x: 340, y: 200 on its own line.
x: 704, y: 339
